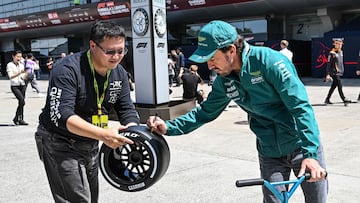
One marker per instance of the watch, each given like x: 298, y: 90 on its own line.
x: 160, y: 22
x: 140, y: 22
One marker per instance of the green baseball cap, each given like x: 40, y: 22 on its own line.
x: 213, y: 36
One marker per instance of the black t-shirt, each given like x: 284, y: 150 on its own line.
x: 71, y: 91
x: 190, y: 83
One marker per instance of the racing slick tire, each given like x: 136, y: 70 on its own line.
x: 135, y: 167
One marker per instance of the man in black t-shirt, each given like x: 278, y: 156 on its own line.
x: 83, y: 88
x: 358, y: 73
x: 191, y: 79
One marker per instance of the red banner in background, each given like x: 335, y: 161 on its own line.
x: 173, y: 5
x: 69, y: 15
x: 93, y: 11
x: 113, y: 9
x: 8, y: 24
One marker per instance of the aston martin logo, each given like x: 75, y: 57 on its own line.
x: 256, y: 73
x: 201, y: 39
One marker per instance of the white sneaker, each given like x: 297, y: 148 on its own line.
x: 41, y: 95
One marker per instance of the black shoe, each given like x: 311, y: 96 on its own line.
x: 16, y: 122
x: 328, y: 102
x: 22, y: 122
x: 346, y: 101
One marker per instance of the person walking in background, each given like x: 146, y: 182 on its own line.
x: 49, y: 63
x: 83, y: 89
x: 62, y: 56
x: 171, y: 70
x: 37, y: 69
x: 335, y: 69
x: 180, y: 65
x: 175, y: 58
x: 191, y: 79
x: 267, y: 87
x: 284, y: 49
x: 358, y: 72
x: 131, y: 81
x: 16, y: 72
x: 212, y: 77
x: 30, y: 65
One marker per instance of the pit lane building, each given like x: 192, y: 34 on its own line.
x: 48, y: 28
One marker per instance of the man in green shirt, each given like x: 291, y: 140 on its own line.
x: 265, y: 85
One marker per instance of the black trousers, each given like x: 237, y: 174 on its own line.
x: 19, y: 92
x: 71, y: 167
x: 336, y: 83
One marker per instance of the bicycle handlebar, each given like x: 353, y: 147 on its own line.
x: 259, y: 181
x: 283, y: 196
x: 249, y: 182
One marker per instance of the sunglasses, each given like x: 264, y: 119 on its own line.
x: 113, y: 52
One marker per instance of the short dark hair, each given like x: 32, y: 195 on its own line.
x: 102, y: 29
x: 16, y: 52
x: 29, y: 55
x: 239, y: 44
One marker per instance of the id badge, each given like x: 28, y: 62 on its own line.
x: 100, y: 121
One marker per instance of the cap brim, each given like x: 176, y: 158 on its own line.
x: 201, y: 56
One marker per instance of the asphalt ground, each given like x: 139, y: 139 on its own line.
x: 204, y: 164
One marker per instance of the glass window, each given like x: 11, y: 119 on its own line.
x: 193, y: 30
x: 47, y: 42
x: 256, y: 26
x: 239, y: 25
x: 48, y: 45
x: 251, y: 26
x: 47, y: 7
x: 27, y: 4
x: 9, y: 1
x: 8, y: 7
x: 62, y: 4
x: 255, y: 29
x: 34, y: 2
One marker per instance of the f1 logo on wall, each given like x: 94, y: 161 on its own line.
x: 160, y: 45
x: 141, y: 45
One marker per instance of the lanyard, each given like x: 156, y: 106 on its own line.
x: 99, y: 99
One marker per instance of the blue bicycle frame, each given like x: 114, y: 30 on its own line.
x: 283, y: 196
